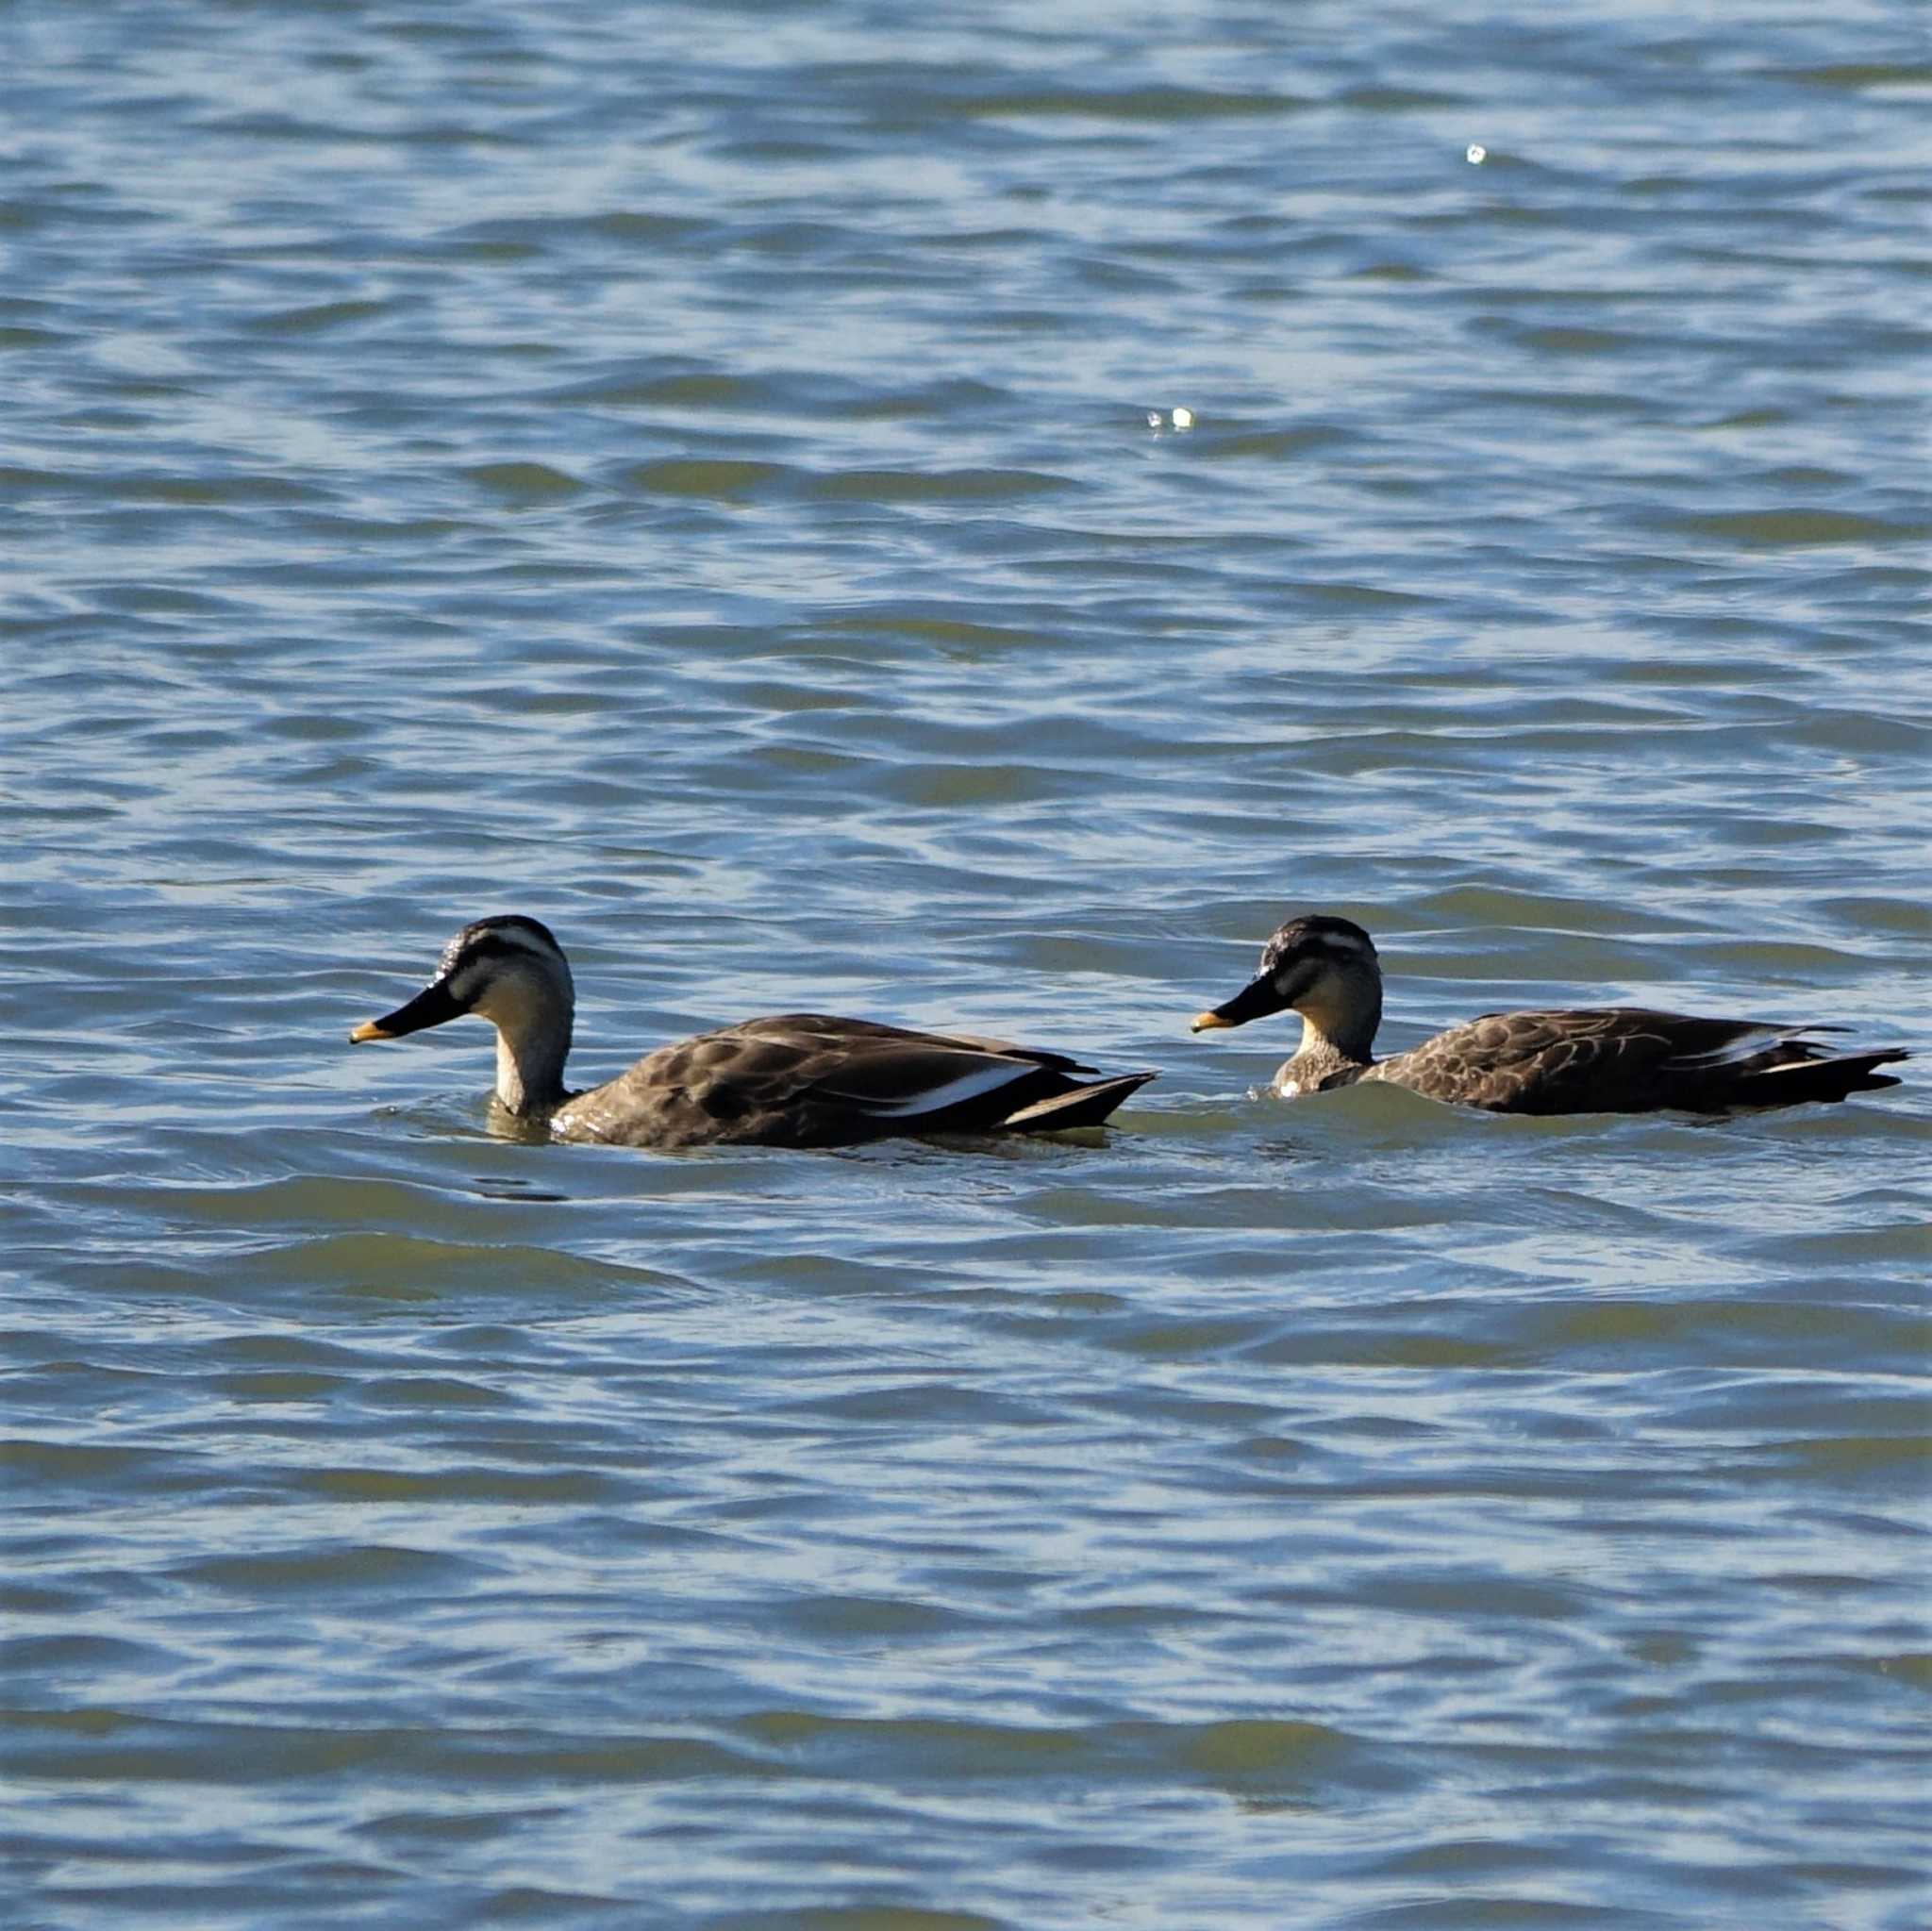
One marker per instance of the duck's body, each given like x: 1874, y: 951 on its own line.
x: 798, y: 1079
x: 1580, y: 1060
x: 807, y: 1079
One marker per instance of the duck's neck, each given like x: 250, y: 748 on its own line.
x: 1338, y: 1036
x: 529, y: 1060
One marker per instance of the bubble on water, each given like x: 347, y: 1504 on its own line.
x: 1476, y: 155
x: 1154, y: 419
x: 1182, y: 418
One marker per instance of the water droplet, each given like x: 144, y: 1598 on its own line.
x: 1474, y: 154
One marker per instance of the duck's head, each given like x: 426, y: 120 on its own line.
x: 510, y: 971
x: 1324, y: 968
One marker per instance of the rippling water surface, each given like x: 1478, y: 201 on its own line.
x: 707, y: 476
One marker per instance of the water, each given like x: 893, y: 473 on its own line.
x: 686, y: 473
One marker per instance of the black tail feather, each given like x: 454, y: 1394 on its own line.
x: 1080, y: 1105
x: 1826, y: 1079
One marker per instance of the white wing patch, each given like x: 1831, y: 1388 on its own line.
x: 952, y: 1092
x: 1751, y: 1039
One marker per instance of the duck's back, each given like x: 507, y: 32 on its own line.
x: 1627, y: 1059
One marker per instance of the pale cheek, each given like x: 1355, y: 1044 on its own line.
x: 502, y: 1006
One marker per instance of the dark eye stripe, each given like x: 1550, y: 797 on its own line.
x: 497, y: 939
x: 1336, y: 939
x: 476, y: 951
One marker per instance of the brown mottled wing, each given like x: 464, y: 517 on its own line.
x: 1611, y: 1060
x: 845, y: 1033
x: 710, y: 1090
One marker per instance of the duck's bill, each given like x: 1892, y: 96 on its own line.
x: 1256, y: 1000
x: 430, y: 1006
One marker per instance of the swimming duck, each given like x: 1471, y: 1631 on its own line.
x: 796, y: 1080
x: 1587, y: 1059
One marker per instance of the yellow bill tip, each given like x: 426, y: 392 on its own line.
x: 1208, y: 1022
x: 368, y: 1030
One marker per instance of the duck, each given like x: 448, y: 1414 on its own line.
x: 1579, y: 1059
x: 797, y: 1079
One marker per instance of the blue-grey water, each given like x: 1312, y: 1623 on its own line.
x: 707, y: 476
